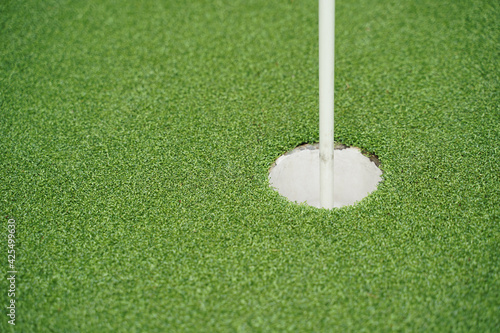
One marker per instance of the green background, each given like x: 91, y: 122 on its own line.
x: 136, y: 138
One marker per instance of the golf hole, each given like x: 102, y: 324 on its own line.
x: 295, y: 175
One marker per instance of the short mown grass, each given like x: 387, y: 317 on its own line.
x: 136, y: 137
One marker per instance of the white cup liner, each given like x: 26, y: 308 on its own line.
x: 295, y: 175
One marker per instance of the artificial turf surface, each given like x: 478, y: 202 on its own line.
x: 136, y: 138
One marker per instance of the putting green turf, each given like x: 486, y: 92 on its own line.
x: 136, y: 138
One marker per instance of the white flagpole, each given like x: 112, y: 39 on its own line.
x: 326, y: 99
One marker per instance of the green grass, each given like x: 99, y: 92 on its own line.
x: 136, y: 138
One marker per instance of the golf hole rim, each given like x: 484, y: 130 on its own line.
x: 367, y: 182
